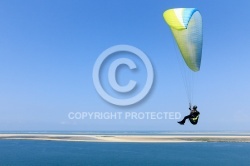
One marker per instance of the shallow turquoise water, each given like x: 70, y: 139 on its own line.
x: 25, y: 152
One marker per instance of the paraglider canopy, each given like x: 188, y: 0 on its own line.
x: 186, y: 26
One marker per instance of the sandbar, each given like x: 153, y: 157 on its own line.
x: 128, y: 138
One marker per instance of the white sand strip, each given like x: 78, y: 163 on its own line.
x: 127, y: 138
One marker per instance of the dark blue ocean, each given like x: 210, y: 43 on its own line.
x: 35, y: 153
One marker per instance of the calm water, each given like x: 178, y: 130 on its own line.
x: 24, y: 152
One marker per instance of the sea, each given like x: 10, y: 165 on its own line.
x: 63, y: 153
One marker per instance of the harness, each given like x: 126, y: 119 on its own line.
x: 194, y: 120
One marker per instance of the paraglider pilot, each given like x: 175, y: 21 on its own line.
x: 193, y: 116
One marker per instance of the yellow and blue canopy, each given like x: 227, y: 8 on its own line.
x: 186, y: 26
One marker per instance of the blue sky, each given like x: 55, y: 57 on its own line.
x: 48, y: 49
